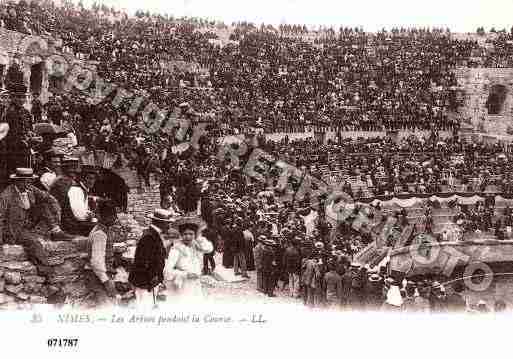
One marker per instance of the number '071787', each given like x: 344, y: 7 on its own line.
x: 62, y: 342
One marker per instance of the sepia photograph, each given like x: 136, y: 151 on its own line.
x: 332, y: 159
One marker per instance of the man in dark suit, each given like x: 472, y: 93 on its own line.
x: 269, y: 267
x: 150, y: 256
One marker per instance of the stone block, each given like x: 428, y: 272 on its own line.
x: 22, y: 267
x: 6, y: 299
x: 48, y: 291
x: 59, y: 279
x: 37, y: 299
x: 76, y: 289
x: 22, y: 296
x: 32, y: 288
x: 53, y: 253
x: 2, y: 285
x: 13, y: 289
x: 2, y: 271
x: 12, y: 278
x: 12, y: 253
x: 34, y: 279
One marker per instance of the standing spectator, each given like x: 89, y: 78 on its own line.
x: 292, y: 266
x: 150, y: 255
x: 333, y: 287
x: 269, y: 267
x: 100, y: 279
x: 211, y: 235
x: 258, y: 253
x: 239, y: 249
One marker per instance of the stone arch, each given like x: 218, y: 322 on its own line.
x: 496, y: 99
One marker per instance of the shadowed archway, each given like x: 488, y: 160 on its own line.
x: 496, y: 99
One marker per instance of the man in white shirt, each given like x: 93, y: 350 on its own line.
x: 72, y: 194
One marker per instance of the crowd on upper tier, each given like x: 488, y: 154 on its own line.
x: 281, y: 79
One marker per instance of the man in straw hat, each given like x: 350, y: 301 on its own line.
x: 150, y: 257
x: 23, y: 206
x: 185, y: 262
x: 100, y: 276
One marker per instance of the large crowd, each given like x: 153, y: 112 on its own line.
x: 284, y: 79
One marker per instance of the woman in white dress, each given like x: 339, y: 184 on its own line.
x: 185, y: 262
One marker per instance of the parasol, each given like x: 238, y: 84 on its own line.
x: 47, y: 128
x: 4, y: 129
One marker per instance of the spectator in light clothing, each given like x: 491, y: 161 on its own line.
x: 333, y: 283
x: 100, y: 277
x: 258, y: 253
x: 292, y: 266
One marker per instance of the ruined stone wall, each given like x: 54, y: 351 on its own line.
x: 476, y: 83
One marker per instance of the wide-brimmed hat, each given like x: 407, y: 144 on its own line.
x: 261, y: 238
x: 375, y: 278
x: 189, y: 222
x: 70, y: 164
x: 161, y: 215
x: 319, y: 245
x: 85, y: 169
x: 23, y: 173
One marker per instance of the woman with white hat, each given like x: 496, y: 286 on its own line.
x: 184, y: 265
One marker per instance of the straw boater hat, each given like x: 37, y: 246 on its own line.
x: 375, y: 278
x: 189, y: 222
x: 23, y: 173
x: 161, y: 215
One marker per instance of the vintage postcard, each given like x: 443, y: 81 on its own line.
x: 167, y: 168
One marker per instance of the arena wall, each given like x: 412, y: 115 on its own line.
x: 476, y: 84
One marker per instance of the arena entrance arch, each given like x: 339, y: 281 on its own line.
x: 496, y: 99
x: 36, y: 78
